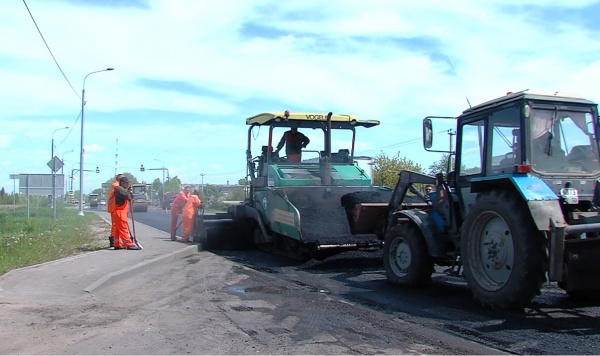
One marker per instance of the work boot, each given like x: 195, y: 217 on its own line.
x: 111, y: 241
x: 173, y: 238
x: 133, y: 247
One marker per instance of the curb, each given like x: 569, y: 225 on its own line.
x: 130, y: 271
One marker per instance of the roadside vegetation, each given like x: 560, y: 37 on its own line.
x: 41, y: 238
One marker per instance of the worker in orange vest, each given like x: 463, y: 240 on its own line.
x: 123, y: 196
x: 176, y: 209
x: 110, y: 208
x: 187, y: 214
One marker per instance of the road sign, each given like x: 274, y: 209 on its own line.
x: 41, y: 184
x: 55, y: 164
x: 14, y: 176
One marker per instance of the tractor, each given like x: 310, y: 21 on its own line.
x: 292, y: 206
x: 519, y: 206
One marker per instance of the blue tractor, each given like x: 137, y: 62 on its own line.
x: 520, y: 205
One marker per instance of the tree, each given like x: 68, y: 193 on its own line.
x: 237, y: 194
x: 173, y: 184
x: 440, y: 166
x: 385, y: 169
x: 2, y: 192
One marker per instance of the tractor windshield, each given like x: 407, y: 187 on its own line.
x: 563, y: 141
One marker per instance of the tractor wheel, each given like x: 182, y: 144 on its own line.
x: 405, y: 256
x: 503, y: 254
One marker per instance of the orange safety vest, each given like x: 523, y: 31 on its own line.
x: 110, y: 204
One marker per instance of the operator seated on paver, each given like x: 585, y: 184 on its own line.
x: 294, y: 142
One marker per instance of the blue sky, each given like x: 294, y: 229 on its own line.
x: 189, y: 72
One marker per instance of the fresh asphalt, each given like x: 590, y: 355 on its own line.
x: 78, y: 276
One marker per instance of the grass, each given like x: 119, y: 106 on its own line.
x: 41, y: 238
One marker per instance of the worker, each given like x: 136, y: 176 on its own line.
x: 123, y: 195
x: 187, y: 214
x: 110, y: 208
x: 294, y: 142
x: 176, y: 208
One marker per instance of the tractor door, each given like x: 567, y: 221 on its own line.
x: 489, y: 144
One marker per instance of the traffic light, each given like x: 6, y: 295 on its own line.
x: 97, y: 170
x: 142, y: 169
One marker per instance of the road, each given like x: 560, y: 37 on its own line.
x: 553, y: 324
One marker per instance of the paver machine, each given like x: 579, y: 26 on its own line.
x: 519, y: 207
x: 293, y: 208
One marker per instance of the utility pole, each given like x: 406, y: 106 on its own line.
x: 202, y: 186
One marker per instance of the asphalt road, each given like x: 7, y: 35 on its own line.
x: 553, y: 324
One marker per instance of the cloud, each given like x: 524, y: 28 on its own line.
x: 189, y: 72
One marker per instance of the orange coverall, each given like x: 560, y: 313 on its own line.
x: 110, y: 206
x: 187, y: 215
x: 122, y: 239
x: 176, y: 208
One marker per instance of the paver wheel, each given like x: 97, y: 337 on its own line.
x: 405, y: 256
x: 503, y: 254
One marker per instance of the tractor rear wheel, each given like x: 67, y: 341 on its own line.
x: 503, y: 254
x: 406, y: 257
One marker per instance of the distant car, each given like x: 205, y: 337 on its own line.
x: 102, y: 202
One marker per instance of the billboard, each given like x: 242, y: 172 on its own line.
x: 41, y: 184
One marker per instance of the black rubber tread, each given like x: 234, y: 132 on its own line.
x: 528, y: 272
x: 421, y: 267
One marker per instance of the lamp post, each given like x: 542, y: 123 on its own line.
x: 80, y: 213
x: 163, y: 180
x: 202, y: 184
x: 53, y: 199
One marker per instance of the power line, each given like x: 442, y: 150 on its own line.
x: 71, y: 129
x: 407, y: 142
x: 48, y: 47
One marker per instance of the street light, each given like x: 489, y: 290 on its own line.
x: 80, y: 213
x: 53, y: 201
x: 163, y: 181
x: 53, y: 132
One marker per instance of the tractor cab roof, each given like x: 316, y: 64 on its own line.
x: 536, y: 95
x: 314, y: 120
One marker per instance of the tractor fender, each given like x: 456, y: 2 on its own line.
x: 543, y: 204
x: 430, y: 229
x: 249, y: 212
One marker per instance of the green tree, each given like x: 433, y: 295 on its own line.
x: 173, y: 184
x: 440, y: 166
x: 236, y: 194
x: 385, y: 168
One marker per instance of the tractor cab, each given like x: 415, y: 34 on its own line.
x: 551, y: 136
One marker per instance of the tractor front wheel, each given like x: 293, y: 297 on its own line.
x: 406, y: 257
x: 503, y: 254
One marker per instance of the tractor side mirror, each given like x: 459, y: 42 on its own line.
x: 427, y: 133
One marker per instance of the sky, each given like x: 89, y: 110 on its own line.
x: 187, y: 74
